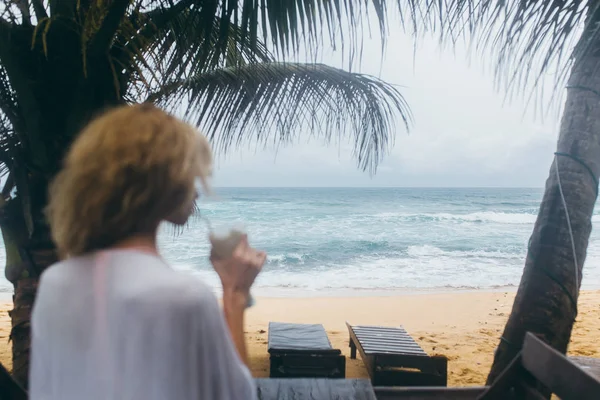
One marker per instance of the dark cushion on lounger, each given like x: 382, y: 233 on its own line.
x: 301, y: 338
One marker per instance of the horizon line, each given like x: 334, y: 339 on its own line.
x: 378, y: 187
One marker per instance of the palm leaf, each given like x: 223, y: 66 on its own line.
x: 8, y: 100
x: 159, y: 52
x: 274, y: 103
x: 8, y: 145
x: 10, y: 121
x: 527, y: 39
x: 190, y: 36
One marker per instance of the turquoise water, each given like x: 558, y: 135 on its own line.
x: 328, y: 241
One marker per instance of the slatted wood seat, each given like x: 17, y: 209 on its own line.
x: 303, y: 351
x: 393, y: 358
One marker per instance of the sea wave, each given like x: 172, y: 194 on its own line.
x: 290, y: 257
x: 418, y: 251
x: 477, y: 217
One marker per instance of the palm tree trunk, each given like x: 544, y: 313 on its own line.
x: 546, y: 301
x: 26, y: 257
x: 20, y: 334
x: 38, y: 255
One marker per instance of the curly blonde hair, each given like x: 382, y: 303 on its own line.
x: 127, y: 171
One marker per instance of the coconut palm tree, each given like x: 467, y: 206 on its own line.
x: 64, y: 61
x: 531, y: 39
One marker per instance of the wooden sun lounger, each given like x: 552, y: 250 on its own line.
x: 393, y: 358
x: 303, y: 351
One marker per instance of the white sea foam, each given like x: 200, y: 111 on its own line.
x: 424, y: 251
x: 485, y: 216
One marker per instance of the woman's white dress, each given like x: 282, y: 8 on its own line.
x: 121, y: 324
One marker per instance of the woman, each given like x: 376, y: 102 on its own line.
x: 112, y: 320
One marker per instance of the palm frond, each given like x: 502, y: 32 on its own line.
x: 527, y: 39
x: 160, y: 52
x: 8, y: 145
x: 8, y: 100
x: 183, y: 49
x: 532, y: 39
x: 283, y: 26
x: 10, y: 121
x: 274, y: 103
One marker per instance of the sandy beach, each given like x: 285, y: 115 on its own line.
x: 464, y: 326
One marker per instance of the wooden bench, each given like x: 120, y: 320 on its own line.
x: 314, y: 389
x: 591, y: 365
x: 429, y: 393
x: 303, y: 351
x: 539, y: 370
x: 393, y: 358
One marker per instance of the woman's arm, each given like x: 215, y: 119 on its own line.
x: 234, y: 306
x: 237, y: 275
x: 219, y: 372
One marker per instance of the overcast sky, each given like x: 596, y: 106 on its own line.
x: 465, y: 134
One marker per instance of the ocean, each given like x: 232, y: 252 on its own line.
x: 352, y: 241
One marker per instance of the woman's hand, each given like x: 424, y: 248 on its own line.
x: 239, y: 271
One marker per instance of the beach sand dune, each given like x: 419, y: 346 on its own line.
x: 464, y: 326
